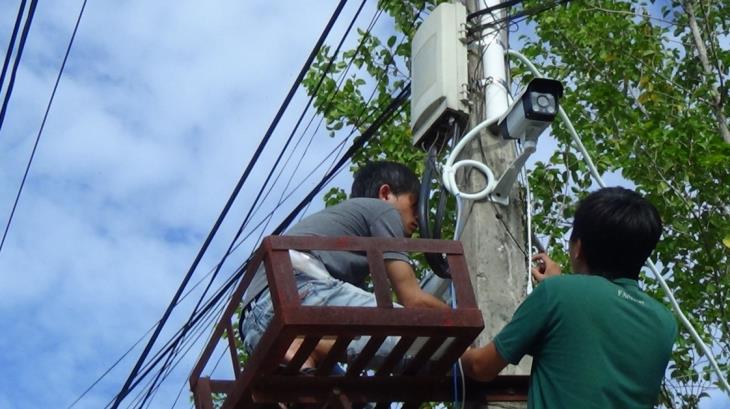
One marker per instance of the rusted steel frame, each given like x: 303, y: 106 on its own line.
x: 315, y: 320
x: 459, y: 271
x: 360, y: 389
x: 337, y: 400
x: 423, y: 355
x: 504, y: 388
x: 363, y: 243
x: 290, y: 314
x: 305, y: 349
x: 280, y: 276
x: 375, y: 248
x: 265, y: 357
x: 365, y: 356
x: 226, y: 317
x: 203, y: 394
x: 335, y: 354
x: 452, y: 353
x: 231, y: 336
x: 381, y: 284
x: 395, y: 356
x: 306, y: 389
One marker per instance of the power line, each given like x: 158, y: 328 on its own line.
x: 395, y: 104
x: 387, y: 113
x: 125, y: 388
x: 523, y: 13
x: 328, y: 104
x: 18, y: 55
x: 266, y: 182
x: 11, y: 46
x: 489, y: 10
x: 43, y: 123
x: 184, y: 330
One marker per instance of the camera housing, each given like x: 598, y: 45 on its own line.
x: 529, y: 115
x: 532, y: 111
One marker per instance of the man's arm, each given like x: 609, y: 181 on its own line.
x: 407, y: 288
x: 484, y: 363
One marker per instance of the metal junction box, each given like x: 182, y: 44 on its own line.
x: 439, y: 74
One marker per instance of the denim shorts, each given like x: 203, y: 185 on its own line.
x: 317, y: 291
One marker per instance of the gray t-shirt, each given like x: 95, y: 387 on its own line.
x: 359, y: 217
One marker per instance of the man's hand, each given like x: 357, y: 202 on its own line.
x: 546, y: 267
x: 483, y: 364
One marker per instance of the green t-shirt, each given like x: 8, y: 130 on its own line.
x: 595, y: 343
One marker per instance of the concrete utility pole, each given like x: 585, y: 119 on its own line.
x: 494, y: 235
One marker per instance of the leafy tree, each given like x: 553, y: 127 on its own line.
x: 645, y: 87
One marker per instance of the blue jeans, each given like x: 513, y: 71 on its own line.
x: 317, y: 291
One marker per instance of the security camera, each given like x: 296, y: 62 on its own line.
x: 529, y: 115
x: 532, y: 111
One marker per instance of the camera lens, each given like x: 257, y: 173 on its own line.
x: 543, y: 101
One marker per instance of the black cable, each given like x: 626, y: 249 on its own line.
x: 328, y: 104
x: 125, y: 388
x: 396, y: 103
x: 215, y: 298
x: 488, y: 10
x: 266, y: 182
x: 523, y: 13
x: 11, y: 46
x: 357, y: 144
x: 187, y: 344
x: 18, y: 55
x: 43, y: 124
x: 146, y: 369
x: 232, y: 281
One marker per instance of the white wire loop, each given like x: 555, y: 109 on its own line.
x: 451, y: 166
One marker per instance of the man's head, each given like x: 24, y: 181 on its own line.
x: 614, y: 232
x: 393, y: 182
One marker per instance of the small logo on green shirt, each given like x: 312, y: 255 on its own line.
x: 625, y: 295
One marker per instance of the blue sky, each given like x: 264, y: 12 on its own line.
x: 157, y: 114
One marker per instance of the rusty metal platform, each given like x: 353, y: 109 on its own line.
x: 439, y: 337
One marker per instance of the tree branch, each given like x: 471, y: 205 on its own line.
x: 702, y: 53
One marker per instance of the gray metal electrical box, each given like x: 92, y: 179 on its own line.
x: 439, y: 74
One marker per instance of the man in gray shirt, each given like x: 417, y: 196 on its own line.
x: 382, y: 204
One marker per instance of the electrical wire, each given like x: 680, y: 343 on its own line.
x: 269, y: 176
x: 21, y: 45
x: 337, y: 171
x: 18, y: 55
x: 11, y: 45
x: 340, y: 146
x: 397, y: 102
x: 490, y: 10
x: 327, y: 105
x: 649, y: 263
x: 125, y: 388
x: 326, y: 70
x: 523, y: 13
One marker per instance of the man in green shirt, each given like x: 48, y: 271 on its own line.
x: 597, y: 340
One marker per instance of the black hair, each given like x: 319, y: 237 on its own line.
x: 370, y: 177
x: 618, y: 230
